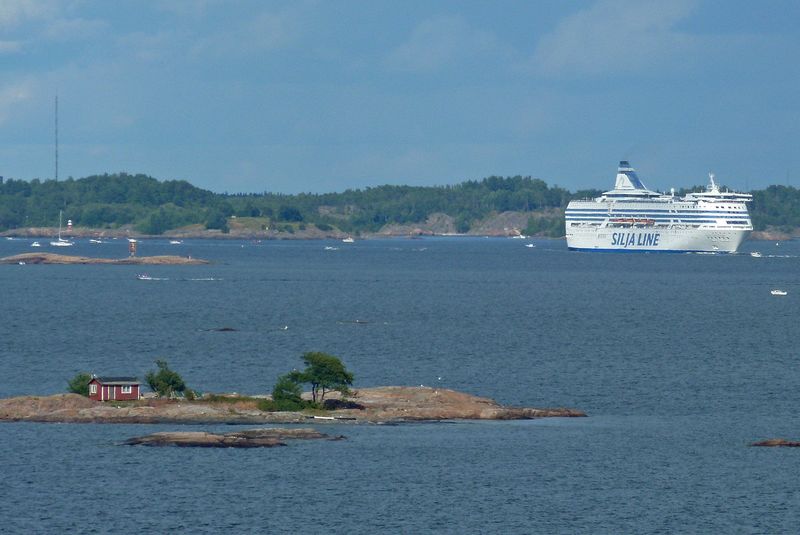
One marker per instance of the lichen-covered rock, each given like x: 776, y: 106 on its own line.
x: 251, y: 438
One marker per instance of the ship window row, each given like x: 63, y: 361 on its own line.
x: 727, y: 217
x: 657, y: 211
x: 661, y: 219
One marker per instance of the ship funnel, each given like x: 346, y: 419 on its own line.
x: 626, y: 178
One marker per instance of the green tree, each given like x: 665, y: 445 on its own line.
x: 290, y: 213
x: 80, y: 384
x: 287, y: 389
x: 216, y: 220
x: 325, y: 373
x: 166, y: 383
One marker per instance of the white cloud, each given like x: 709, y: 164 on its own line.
x: 615, y: 36
x: 439, y: 41
x: 266, y: 31
x: 11, y: 96
x: 187, y: 8
x: 72, y: 29
x: 15, y: 12
x: 150, y: 46
x: 9, y: 47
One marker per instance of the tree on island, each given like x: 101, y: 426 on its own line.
x: 166, y: 383
x: 286, y: 394
x: 80, y: 384
x: 325, y: 373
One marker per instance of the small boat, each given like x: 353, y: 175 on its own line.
x: 329, y: 248
x: 146, y: 277
x: 60, y: 242
x: 755, y: 254
x: 778, y: 292
x: 529, y: 245
x: 94, y: 240
x: 175, y: 242
x: 348, y: 240
x: 36, y: 244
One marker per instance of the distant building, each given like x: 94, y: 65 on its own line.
x: 114, y: 388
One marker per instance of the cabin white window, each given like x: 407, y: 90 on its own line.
x: 93, y: 388
x: 126, y: 389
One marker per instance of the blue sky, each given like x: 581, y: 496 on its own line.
x: 321, y: 96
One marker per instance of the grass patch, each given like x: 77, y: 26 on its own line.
x: 269, y: 405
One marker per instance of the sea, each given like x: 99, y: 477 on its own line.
x: 679, y: 360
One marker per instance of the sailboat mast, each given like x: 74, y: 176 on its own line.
x: 56, y: 138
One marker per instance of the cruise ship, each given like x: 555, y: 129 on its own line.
x: 632, y: 218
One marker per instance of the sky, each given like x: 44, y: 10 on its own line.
x: 328, y: 95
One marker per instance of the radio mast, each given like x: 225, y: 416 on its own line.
x: 56, y: 138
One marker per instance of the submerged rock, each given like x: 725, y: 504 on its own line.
x: 777, y: 442
x: 251, y: 438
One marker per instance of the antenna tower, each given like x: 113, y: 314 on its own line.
x: 56, y: 138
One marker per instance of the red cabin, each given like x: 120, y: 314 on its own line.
x: 113, y: 388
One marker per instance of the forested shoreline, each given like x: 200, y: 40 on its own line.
x: 149, y: 206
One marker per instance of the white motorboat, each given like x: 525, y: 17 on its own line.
x: 95, y: 240
x: 146, y: 277
x: 175, y: 242
x: 348, y: 240
x: 778, y: 292
x: 755, y: 254
x: 36, y: 244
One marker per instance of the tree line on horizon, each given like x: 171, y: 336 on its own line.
x: 153, y: 207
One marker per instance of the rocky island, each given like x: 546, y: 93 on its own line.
x: 390, y: 404
x: 250, y: 438
x: 50, y: 258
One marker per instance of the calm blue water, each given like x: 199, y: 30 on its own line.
x: 680, y: 360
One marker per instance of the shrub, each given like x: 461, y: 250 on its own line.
x: 80, y: 384
x: 287, y: 389
x: 270, y: 405
x: 335, y: 404
x: 166, y: 383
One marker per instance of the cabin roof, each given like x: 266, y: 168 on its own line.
x: 116, y: 381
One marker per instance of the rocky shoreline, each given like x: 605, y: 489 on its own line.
x: 381, y: 405
x: 50, y: 258
x: 505, y: 224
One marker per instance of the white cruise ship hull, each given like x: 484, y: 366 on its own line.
x: 630, y: 218
x: 663, y: 240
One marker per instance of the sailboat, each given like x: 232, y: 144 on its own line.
x: 60, y: 242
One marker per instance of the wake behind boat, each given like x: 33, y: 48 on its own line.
x: 146, y: 277
x: 632, y: 218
